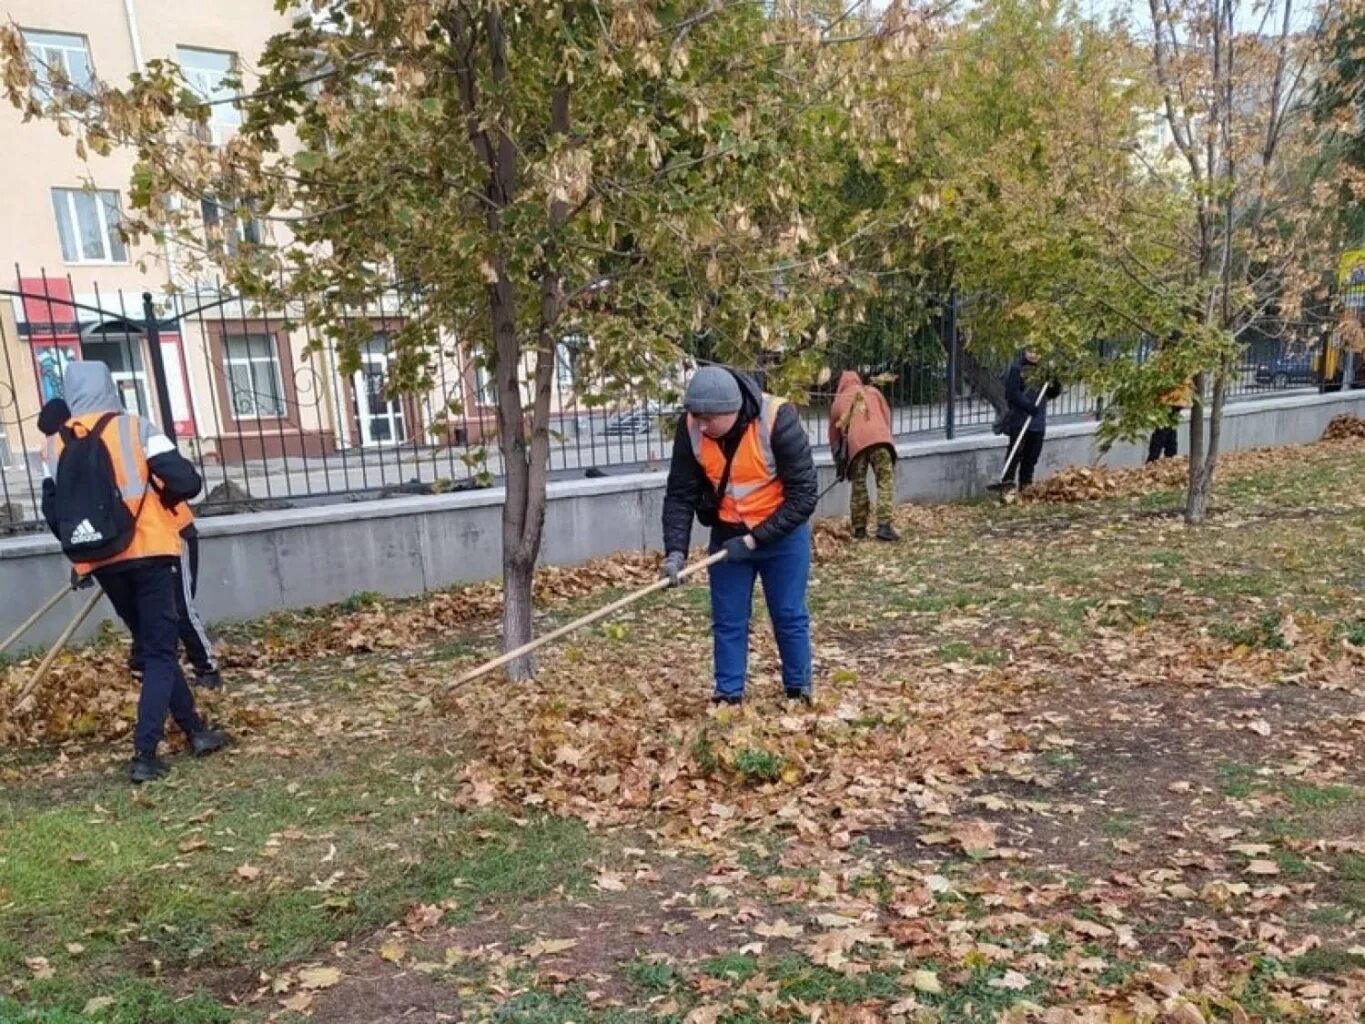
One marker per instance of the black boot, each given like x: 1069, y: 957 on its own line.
x: 146, y: 768
x: 208, y: 741
x: 721, y: 698
x: 887, y: 532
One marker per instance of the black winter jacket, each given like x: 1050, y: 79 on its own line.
x: 795, y: 468
x: 1026, y: 401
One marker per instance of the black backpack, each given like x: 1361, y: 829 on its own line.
x: 93, y: 521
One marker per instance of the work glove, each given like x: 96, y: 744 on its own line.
x: 79, y: 582
x: 736, y: 550
x: 673, y: 567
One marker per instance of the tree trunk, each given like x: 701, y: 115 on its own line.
x: 983, y: 380
x: 527, y: 460
x: 1197, y: 496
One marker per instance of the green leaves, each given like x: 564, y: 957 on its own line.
x: 307, y: 160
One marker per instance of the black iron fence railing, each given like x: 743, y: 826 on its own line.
x: 274, y: 415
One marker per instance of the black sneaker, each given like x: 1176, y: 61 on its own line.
x: 860, y: 533
x: 804, y: 696
x: 146, y: 768
x: 888, y: 533
x: 208, y: 741
x: 209, y: 680
x: 135, y: 670
x: 721, y: 698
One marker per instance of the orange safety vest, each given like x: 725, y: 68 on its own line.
x: 1179, y: 398
x: 754, y: 491
x: 157, y: 533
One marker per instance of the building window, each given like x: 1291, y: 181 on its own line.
x: 226, y: 227
x: 207, y: 73
x: 567, y: 361
x: 485, y: 387
x: 60, y: 61
x: 253, y: 375
x: 88, y: 225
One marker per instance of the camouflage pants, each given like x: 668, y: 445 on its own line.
x: 884, y: 469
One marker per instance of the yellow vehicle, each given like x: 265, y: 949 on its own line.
x: 1330, y: 361
x: 1331, y: 357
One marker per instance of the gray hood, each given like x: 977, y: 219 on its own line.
x: 89, y: 387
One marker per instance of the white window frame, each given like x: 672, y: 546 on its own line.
x: 224, y: 118
x: 232, y: 230
x: 60, y: 45
x: 253, y: 364
x: 64, y: 200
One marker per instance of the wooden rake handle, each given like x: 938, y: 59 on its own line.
x: 586, y: 620
x: 28, y: 623
x: 40, y: 673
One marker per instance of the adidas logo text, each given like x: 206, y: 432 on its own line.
x: 86, y: 534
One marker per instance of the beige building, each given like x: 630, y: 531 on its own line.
x: 247, y: 392
x: 242, y: 387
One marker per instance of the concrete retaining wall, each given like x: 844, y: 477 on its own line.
x: 257, y: 563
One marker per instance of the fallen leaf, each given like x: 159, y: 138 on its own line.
x: 96, y: 1004
x: 706, y: 1014
x: 190, y: 845
x: 779, y: 929
x: 1263, y: 867
x: 299, y: 1002
x: 249, y: 872
x: 610, y: 881
x: 1013, y: 981
x: 42, y: 970
x: 975, y: 837
x: 548, y: 947
x: 926, y: 982
x: 1091, y: 929
x: 319, y: 977
x: 393, y: 951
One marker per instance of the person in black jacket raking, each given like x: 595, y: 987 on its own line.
x: 742, y: 465
x: 1028, y: 415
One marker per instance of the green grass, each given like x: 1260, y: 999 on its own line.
x: 1319, y: 798
x: 1352, y: 869
x: 1119, y: 825
x: 1326, y: 962
x: 134, y: 1001
x: 1331, y: 916
x: 737, y: 967
x: 1237, y: 781
x: 122, y: 873
x: 972, y: 654
x: 757, y: 765
x: 1292, y: 864
x: 652, y: 977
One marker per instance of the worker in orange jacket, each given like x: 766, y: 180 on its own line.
x: 141, y: 577
x: 194, y: 635
x: 742, y: 465
x: 1165, y: 440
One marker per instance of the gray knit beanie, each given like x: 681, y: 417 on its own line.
x: 713, y: 389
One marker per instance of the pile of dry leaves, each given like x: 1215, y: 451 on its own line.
x: 1094, y: 483
x: 89, y: 693
x: 1343, y: 427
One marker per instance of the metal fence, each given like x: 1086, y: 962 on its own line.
x: 268, y: 411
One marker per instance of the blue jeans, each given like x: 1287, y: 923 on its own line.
x: 784, y: 568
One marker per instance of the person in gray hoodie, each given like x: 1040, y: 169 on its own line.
x: 141, y: 579
x: 194, y: 635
